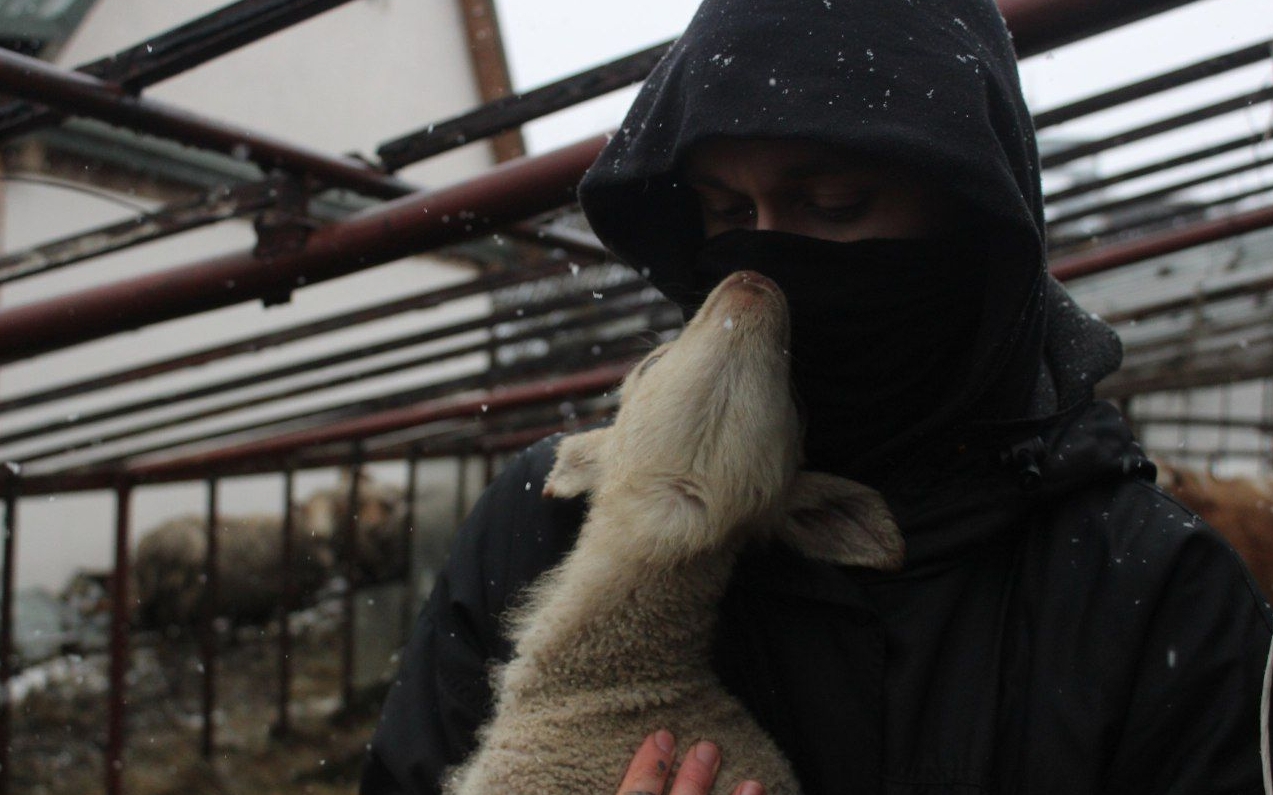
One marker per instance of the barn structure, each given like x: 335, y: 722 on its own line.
x: 202, y: 303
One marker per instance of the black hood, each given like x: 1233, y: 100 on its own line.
x: 928, y: 85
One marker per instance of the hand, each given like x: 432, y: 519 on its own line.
x: 650, y: 767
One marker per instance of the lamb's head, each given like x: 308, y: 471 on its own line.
x: 707, y: 440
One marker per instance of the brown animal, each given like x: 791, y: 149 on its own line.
x: 615, y: 642
x: 378, y: 554
x: 1241, y: 510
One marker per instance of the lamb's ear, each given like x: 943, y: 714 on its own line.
x: 839, y: 521
x: 578, y: 464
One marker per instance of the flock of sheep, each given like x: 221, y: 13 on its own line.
x: 169, y: 563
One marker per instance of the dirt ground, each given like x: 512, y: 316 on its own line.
x: 59, y: 732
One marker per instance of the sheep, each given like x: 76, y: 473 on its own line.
x: 614, y: 643
x: 378, y: 542
x: 169, y: 567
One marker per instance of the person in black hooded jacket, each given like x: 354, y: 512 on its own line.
x: 1060, y: 625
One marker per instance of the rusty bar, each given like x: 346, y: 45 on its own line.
x: 178, y: 50
x: 1078, y: 151
x: 566, y: 302
x: 283, y: 726
x: 208, y: 624
x: 408, y: 541
x: 1242, y: 141
x: 509, y: 112
x: 1108, y: 258
x: 217, y: 205
x: 1201, y: 296
x: 1260, y: 426
x: 6, y: 633
x: 75, y: 92
x: 511, y: 192
x: 457, y: 406
x: 1040, y: 25
x: 488, y: 468
x: 427, y: 299
x: 1209, y: 67
x: 349, y: 553
x: 1064, y: 243
x: 1158, y: 193
x: 581, y: 321
x: 461, y: 489
x: 118, y: 645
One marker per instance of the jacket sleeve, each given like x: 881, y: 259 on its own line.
x: 441, y: 694
x: 1194, y: 724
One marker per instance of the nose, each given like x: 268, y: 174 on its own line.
x: 767, y: 218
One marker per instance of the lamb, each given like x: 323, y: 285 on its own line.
x: 614, y: 643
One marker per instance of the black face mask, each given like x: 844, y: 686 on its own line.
x: 881, y: 329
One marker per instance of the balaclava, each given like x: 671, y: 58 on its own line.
x: 927, y: 86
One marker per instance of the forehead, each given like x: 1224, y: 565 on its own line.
x: 769, y: 160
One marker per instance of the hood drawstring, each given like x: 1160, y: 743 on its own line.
x: 1026, y: 456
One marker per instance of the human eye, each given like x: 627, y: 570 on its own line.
x: 839, y: 207
x: 725, y: 207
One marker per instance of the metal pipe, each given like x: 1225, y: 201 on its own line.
x: 426, y: 299
x: 1078, y: 265
x: 457, y: 406
x: 511, y: 192
x: 207, y: 623
x: 1158, y: 193
x: 349, y: 553
x: 1078, y: 151
x: 1062, y: 243
x: 1252, y: 140
x: 312, y: 364
x: 287, y: 604
x: 1040, y: 25
x: 74, y: 92
x: 178, y: 50
x: 118, y: 644
x: 408, y: 542
x: 461, y: 489
x: 6, y: 633
x: 217, y: 205
x: 1209, y: 67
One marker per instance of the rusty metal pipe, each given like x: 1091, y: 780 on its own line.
x: 1079, y: 265
x: 349, y: 567
x: 283, y: 726
x: 208, y: 624
x: 80, y: 94
x: 10, y: 531
x: 511, y: 192
x: 118, y: 645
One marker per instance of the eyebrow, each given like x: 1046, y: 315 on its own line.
x: 815, y: 167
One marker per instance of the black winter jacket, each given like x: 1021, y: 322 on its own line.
x: 1088, y: 636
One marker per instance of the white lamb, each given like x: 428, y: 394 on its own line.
x: 615, y: 642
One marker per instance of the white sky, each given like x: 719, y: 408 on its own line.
x: 549, y: 39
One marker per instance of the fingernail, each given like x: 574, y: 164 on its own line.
x: 665, y: 741
x: 751, y: 788
x: 707, y: 754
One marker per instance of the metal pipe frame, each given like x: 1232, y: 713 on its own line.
x: 1233, y: 144
x: 37, y: 81
x: 408, y: 539
x: 10, y: 531
x: 1158, y: 193
x: 1041, y: 25
x: 1110, y: 234
x: 118, y: 681
x: 1260, y: 426
x: 427, y: 299
x: 283, y: 726
x: 1115, y: 256
x: 1151, y: 129
x: 1175, y: 78
x: 349, y: 555
x: 576, y: 300
x: 178, y: 50
x: 511, y: 192
x: 208, y: 624
x: 215, y: 206
x: 343, y: 408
